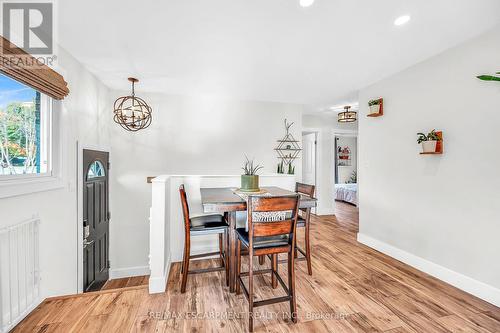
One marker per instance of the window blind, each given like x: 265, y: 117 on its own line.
x: 25, y: 68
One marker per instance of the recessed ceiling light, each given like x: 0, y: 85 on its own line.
x: 402, y: 20
x: 306, y: 3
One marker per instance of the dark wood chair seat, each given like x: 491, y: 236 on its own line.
x: 262, y: 242
x: 208, y: 224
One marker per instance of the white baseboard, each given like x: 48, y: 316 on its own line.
x: 477, y: 288
x: 7, y: 327
x: 118, y: 273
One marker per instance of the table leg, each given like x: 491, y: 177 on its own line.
x: 232, y: 251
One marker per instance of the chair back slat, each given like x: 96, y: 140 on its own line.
x: 272, y: 228
x: 305, y: 189
x: 282, y: 210
x: 272, y: 204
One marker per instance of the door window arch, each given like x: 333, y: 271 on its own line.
x: 96, y: 170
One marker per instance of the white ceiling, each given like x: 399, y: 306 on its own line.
x: 272, y: 50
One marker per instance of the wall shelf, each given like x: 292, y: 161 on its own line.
x: 288, y: 148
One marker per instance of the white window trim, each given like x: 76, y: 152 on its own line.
x: 12, y: 186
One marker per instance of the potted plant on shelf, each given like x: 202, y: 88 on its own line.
x: 375, y: 105
x: 429, y: 141
x: 250, y: 179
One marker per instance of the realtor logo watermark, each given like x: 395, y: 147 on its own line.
x: 28, y: 26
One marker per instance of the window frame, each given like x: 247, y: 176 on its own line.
x: 15, y: 185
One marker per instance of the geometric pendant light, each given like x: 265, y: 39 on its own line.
x: 132, y: 112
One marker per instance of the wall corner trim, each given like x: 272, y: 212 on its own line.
x: 477, y: 288
x: 158, y: 284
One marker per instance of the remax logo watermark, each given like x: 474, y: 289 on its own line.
x: 28, y: 26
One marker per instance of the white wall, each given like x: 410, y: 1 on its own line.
x: 326, y: 126
x: 83, y: 117
x: 189, y: 135
x: 440, y: 213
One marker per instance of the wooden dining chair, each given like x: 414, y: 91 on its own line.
x: 304, y: 221
x: 203, y: 225
x: 272, y: 225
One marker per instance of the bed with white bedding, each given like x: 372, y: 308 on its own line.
x: 347, y: 193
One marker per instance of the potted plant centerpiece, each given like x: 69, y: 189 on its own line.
x: 250, y: 179
x: 429, y: 141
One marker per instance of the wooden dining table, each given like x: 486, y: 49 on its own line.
x: 226, y: 201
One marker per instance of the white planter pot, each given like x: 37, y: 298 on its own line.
x: 429, y: 146
x: 374, y: 109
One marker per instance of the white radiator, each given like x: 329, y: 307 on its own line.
x: 19, y: 272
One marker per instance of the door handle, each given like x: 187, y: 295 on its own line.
x: 85, y: 243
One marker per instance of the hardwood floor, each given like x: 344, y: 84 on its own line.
x: 134, y: 281
x: 353, y: 289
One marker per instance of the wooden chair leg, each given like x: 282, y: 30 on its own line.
x: 250, y: 291
x: 221, y: 249
x: 274, y: 267
x: 238, y: 267
x: 185, y: 265
x: 291, y: 286
x: 262, y: 260
x: 226, y: 255
x: 183, y: 259
x: 308, y: 251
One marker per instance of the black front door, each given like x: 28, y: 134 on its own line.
x: 95, y: 219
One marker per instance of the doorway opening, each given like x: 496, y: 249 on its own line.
x: 346, y: 169
x: 96, y: 218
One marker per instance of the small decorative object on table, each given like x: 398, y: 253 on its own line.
x: 431, y: 143
x: 376, y: 107
x: 250, y: 180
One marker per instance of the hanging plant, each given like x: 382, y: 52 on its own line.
x: 489, y: 77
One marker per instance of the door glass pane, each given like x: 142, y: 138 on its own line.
x: 96, y: 170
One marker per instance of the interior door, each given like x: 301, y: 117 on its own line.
x: 95, y: 219
x: 309, y: 158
